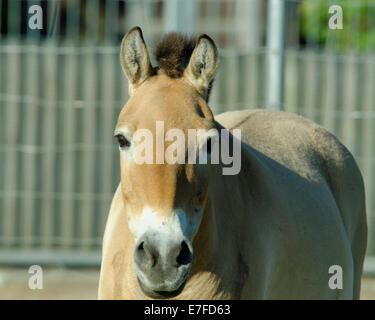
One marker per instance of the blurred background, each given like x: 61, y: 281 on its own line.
x: 62, y: 88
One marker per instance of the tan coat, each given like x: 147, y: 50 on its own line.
x: 296, y: 208
x: 272, y: 231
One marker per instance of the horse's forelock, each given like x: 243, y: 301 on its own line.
x: 173, y: 53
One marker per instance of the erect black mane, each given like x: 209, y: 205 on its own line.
x: 173, y: 53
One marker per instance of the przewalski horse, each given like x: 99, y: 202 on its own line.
x: 187, y: 231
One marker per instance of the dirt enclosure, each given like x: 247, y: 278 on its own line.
x: 78, y: 284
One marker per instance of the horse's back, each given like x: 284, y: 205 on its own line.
x: 312, y: 153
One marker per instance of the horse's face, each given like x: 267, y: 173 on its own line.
x: 165, y: 197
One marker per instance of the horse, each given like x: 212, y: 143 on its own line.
x: 186, y: 230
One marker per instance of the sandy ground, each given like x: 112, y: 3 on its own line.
x: 58, y: 284
x: 81, y: 284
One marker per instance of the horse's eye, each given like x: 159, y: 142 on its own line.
x: 122, y: 141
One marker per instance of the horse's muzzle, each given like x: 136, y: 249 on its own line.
x: 162, y: 264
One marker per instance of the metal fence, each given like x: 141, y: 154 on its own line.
x: 62, y: 88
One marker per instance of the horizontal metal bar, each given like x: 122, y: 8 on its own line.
x: 40, y: 149
x: 353, y: 114
x: 76, y: 104
x: 50, y: 258
x: 52, y: 47
x: 57, y: 241
x: 328, y: 56
x: 57, y: 195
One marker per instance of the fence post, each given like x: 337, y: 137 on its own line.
x: 275, y: 54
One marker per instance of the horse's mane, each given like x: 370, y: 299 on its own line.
x: 173, y: 53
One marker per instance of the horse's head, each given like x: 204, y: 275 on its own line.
x: 165, y: 196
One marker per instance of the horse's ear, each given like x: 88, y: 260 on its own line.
x: 134, y: 58
x: 203, y: 64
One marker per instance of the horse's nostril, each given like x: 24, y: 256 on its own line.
x: 185, y: 256
x: 146, y: 255
x: 140, y: 247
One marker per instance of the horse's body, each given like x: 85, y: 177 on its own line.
x: 273, y: 231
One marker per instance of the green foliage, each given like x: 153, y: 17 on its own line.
x: 358, y: 31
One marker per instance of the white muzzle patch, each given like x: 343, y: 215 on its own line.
x: 175, y: 226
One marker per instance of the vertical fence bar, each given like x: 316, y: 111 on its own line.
x: 92, y: 18
x: 221, y: 84
x: 111, y: 21
x: 369, y: 152
x: 88, y: 137
x: 369, y: 133
x: 30, y: 132
x: 121, y: 95
x: 69, y: 88
x: 253, y: 68
x: 11, y: 64
x: 53, y: 16
x: 90, y: 110
x: 107, y: 109
x: 14, y: 19
x: 349, y: 102
x: 275, y: 54
x: 49, y: 142
x: 358, y: 107
x: 73, y: 12
x: 241, y: 75
x: 301, y: 82
x: 320, y: 85
x: 3, y: 105
x: 309, y: 64
x: 121, y: 15
x: 2, y: 16
x: 313, y: 86
x: 2, y: 142
x: 69, y: 132
x: 329, y: 93
x: 226, y: 19
x: 11, y: 129
x: 337, y: 108
x: 231, y: 79
x: 291, y: 78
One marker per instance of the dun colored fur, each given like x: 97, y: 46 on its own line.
x: 186, y: 231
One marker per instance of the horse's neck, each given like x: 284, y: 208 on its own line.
x: 216, y: 250
x: 224, y: 212
x: 205, y: 241
x: 215, y: 233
